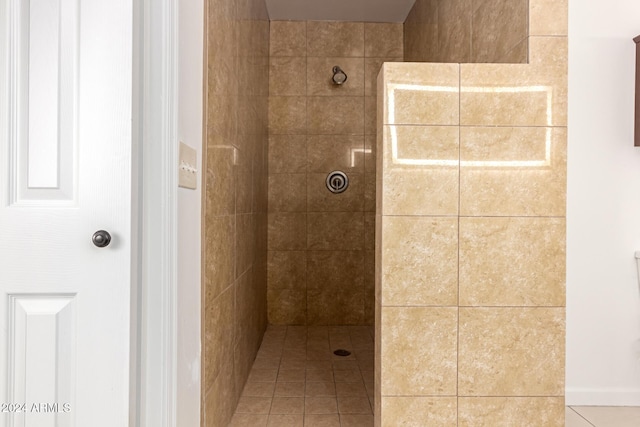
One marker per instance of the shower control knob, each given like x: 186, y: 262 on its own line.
x: 101, y: 238
x: 337, y: 182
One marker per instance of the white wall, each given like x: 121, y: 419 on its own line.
x: 191, y: 22
x: 603, y: 206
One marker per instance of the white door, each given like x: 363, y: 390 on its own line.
x: 65, y: 172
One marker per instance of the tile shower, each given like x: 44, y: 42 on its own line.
x: 476, y: 260
x: 464, y: 169
x: 235, y: 201
x: 321, y: 245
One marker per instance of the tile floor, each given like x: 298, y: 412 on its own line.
x: 297, y: 381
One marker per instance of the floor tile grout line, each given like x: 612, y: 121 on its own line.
x: 581, y: 416
x: 324, y: 341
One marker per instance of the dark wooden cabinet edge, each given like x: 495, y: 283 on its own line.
x: 636, y: 142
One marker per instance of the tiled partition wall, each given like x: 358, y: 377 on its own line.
x: 235, y: 212
x: 475, y: 31
x: 321, y: 245
x: 470, y: 251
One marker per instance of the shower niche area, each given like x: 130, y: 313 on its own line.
x: 441, y: 265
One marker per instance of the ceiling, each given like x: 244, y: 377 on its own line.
x: 339, y: 10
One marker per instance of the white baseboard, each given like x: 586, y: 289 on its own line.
x: 602, y: 397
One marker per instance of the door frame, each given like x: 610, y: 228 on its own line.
x: 154, y: 294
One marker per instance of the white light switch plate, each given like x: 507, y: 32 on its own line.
x: 188, y: 170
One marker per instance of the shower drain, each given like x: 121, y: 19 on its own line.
x: 337, y: 182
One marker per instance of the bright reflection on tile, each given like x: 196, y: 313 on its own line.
x: 516, y: 89
x: 392, y: 88
x: 355, y: 152
x: 234, y: 151
x: 436, y: 187
x: 520, y: 163
x: 540, y: 163
x: 397, y: 160
x: 528, y: 191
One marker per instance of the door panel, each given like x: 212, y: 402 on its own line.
x: 43, y: 86
x: 42, y: 342
x: 65, y: 172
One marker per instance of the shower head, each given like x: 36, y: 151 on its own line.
x: 339, y: 76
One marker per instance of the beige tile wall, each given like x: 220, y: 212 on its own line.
x: 235, y: 212
x: 493, y: 31
x: 320, y: 263
x: 470, y: 250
